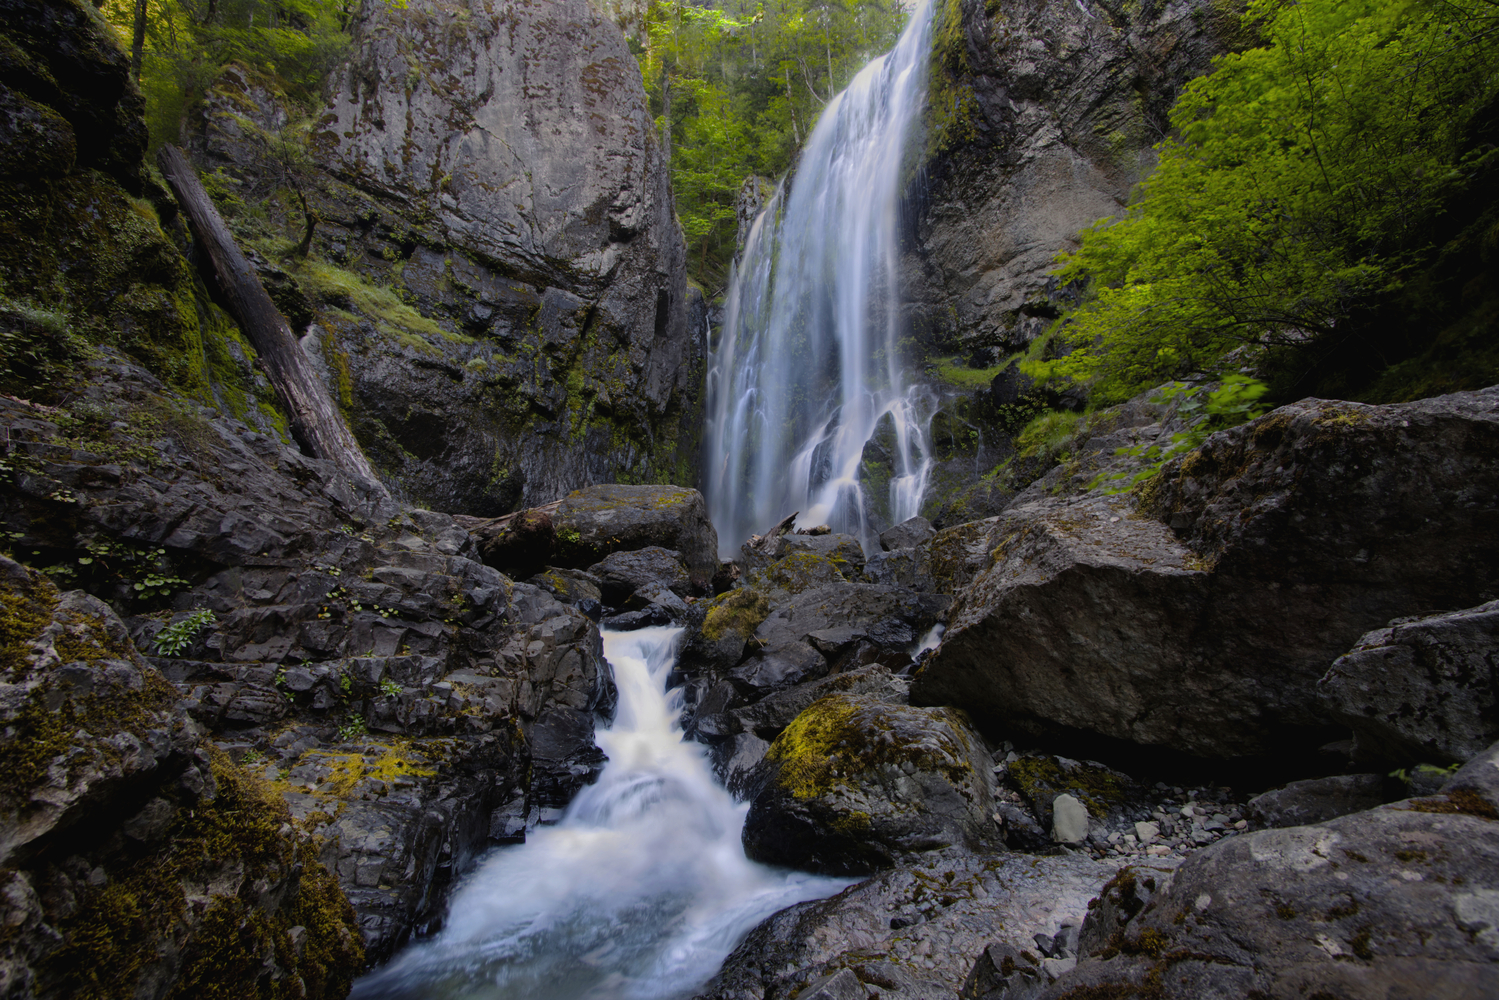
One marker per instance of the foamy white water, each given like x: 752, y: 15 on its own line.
x: 639, y: 893
x: 810, y: 360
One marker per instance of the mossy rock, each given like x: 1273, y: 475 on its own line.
x: 855, y: 784
x: 143, y: 861
x: 1041, y: 779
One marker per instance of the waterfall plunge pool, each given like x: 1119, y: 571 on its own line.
x: 638, y: 893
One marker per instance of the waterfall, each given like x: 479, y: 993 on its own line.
x: 638, y: 893
x: 809, y: 364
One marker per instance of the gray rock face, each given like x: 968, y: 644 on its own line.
x: 593, y: 522
x: 1057, y: 106
x: 1396, y: 900
x: 1421, y: 691
x: 856, y: 784
x: 621, y: 574
x: 913, y: 933
x: 496, y: 167
x: 908, y: 534
x: 1326, y: 519
x: 1317, y: 800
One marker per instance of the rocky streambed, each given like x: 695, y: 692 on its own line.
x: 1229, y: 732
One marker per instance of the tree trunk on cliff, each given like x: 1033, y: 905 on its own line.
x: 315, y: 422
x: 138, y: 41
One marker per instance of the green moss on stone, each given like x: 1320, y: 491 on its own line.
x: 738, y: 611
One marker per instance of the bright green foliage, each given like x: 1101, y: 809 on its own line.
x: 176, y: 637
x: 187, y: 43
x: 1303, y: 179
x: 1232, y: 403
x: 737, y: 89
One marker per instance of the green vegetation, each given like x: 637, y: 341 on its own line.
x: 1234, y: 402
x: 737, y: 89
x: 1308, y: 178
x: 179, y: 635
x: 183, y: 44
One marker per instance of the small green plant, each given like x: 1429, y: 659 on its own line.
x: 178, y: 636
x: 251, y: 758
x: 1405, y: 775
x: 390, y: 688
x: 353, y: 727
x: 346, y: 683
x: 1233, y: 402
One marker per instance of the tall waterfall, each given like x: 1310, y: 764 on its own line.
x: 639, y: 893
x: 809, y: 361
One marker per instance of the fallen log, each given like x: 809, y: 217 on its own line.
x: 314, y: 421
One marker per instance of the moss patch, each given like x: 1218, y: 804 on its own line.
x: 738, y: 611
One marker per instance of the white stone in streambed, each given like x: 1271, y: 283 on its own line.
x: 1148, y: 833
x: 1069, y: 820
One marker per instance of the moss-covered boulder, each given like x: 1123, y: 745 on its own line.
x: 856, y: 784
x: 138, y: 860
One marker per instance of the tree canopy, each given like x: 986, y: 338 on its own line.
x: 1303, y: 178
x: 737, y: 88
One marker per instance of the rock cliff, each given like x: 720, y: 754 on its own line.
x: 496, y: 284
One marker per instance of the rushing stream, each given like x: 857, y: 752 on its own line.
x: 640, y: 891
x: 809, y: 367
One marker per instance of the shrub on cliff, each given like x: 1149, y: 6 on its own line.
x: 1304, y: 180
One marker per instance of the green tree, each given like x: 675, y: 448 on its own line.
x: 737, y: 88
x: 1302, y: 180
x: 180, y: 46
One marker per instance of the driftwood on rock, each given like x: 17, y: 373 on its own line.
x: 315, y: 422
x: 766, y: 543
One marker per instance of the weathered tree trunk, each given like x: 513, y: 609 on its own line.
x: 138, y: 40
x: 315, y: 422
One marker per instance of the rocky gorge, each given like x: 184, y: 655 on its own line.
x: 1232, y: 732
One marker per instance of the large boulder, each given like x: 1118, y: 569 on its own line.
x: 591, y: 523
x: 1200, y: 613
x: 1396, y: 901
x: 915, y: 932
x: 856, y: 784
x: 1421, y: 690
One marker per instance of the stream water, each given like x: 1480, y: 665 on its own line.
x: 809, y: 369
x: 638, y: 893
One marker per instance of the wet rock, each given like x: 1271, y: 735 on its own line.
x: 914, y: 932
x: 591, y: 523
x: 1397, y: 897
x: 908, y: 534
x: 782, y: 666
x: 1317, y: 800
x: 1149, y: 625
x: 1421, y: 690
x: 736, y: 761
x: 623, y: 573
x: 855, y: 784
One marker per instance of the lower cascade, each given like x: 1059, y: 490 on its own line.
x: 640, y: 891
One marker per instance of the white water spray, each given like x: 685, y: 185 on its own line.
x: 639, y: 893
x: 809, y: 362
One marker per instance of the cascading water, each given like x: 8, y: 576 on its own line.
x: 639, y: 892
x: 809, y: 362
